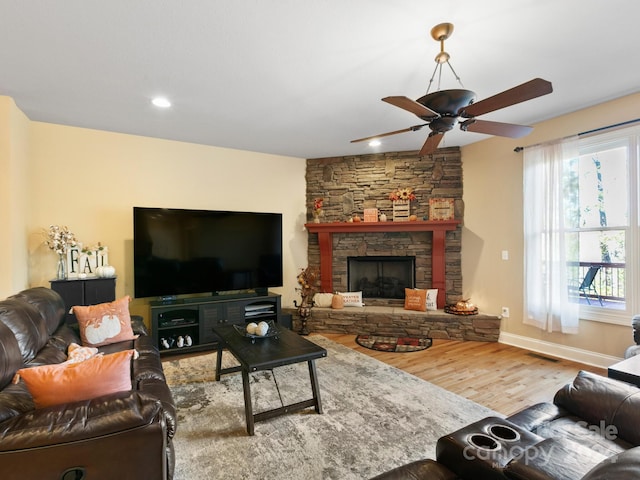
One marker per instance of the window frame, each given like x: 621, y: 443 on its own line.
x: 594, y: 142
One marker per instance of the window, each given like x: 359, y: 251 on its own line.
x: 603, y: 195
x: 598, y: 225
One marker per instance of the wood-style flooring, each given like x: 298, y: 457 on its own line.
x: 501, y: 377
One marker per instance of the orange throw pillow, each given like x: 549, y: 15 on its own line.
x: 415, y: 299
x: 105, y: 323
x: 73, y: 382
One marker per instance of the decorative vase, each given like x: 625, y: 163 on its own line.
x: 316, y: 219
x: 61, y: 273
x: 304, y: 310
x: 383, y: 217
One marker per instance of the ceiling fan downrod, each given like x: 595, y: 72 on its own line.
x: 440, y: 33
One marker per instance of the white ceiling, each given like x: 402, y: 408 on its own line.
x: 303, y: 77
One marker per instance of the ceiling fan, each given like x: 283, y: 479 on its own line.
x: 442, y: 109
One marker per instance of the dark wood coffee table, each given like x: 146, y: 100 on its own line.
x: 627, y: 370
x: 265, y: 354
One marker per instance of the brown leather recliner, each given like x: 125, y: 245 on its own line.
x: 126, y: 435
x: 589, y: 432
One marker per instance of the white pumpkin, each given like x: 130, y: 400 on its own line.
x: 105, y: 271
x: 251, y: 328
x: 263, y: 329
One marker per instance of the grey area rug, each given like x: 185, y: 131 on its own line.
x: 376, y: 417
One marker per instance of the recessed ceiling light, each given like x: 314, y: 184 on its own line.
x: 375, y: 143
x: 161, y: 102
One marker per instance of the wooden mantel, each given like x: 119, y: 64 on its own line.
x: 439, y: 228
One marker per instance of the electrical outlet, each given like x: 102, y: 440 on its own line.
x: 505, y: 312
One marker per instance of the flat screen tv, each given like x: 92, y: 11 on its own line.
x: 179, y: 251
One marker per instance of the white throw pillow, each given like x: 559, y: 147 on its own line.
x: 323, y: 300
x: 352, y: 299
x: 432, y: 299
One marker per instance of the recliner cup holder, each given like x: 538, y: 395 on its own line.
x: 483, y: 442
x: 504, y: 432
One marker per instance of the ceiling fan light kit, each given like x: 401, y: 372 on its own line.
x: 442, y: 109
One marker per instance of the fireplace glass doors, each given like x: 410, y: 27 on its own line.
x: 381, y: 277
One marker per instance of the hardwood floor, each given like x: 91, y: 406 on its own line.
x: 501, y: 377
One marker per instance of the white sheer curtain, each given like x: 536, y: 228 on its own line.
x: 547, y: 303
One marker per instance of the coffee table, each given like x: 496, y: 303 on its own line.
x: 627, y: 370
x: 265, y: 354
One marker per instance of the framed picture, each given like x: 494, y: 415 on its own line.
x: 441, y: 209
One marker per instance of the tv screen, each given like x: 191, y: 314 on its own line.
x: 178, y: 251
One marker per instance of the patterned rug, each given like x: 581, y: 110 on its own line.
x: 394, y: 344
x: 375, y: 417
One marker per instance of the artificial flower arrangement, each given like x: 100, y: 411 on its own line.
x: 308, y: 281
x: 60, y: 239
x: 90, y: 250
x: 317, y: 207
x: 402, y: 194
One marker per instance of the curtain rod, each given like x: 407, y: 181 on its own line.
x: 595, y: 130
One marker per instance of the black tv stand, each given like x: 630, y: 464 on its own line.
x: 195, y: 318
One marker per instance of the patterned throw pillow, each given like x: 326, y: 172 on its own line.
x: 105, y: 323
x: 76, y: 353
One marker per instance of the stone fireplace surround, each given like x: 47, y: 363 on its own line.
x: 350, y: 184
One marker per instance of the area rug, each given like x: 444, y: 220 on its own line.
x: 394, y: 344
x: 375, y: 417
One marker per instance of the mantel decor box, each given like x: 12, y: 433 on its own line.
x: 370, y: 214
x: 401, y: 210
x: 441, y: 209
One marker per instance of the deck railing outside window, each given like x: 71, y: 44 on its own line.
x: 609, y: 282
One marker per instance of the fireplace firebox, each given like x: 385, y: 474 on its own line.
x: 381, y: 276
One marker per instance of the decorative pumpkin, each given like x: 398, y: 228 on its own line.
x: 251, y: 328
x: 337, y: 301
x: 105, y: 271
x: 465, y: 305
x: 262, y: 329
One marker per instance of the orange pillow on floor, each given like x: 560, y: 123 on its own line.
x: 72, y: 382
x: 105, y: 323
x: 415, y: 299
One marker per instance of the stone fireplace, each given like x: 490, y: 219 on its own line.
x: 381, y: 276
x: 350, y: 184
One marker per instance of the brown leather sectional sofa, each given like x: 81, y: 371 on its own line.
x: 591, y: 431
x: 126, y: 435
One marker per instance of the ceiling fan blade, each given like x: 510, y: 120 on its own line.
x: 411, y: 106
x: 431, y: 144
x: 410, y: 129
x: 527, y: 91
x: 495, y: 128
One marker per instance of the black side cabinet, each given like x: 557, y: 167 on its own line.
x: 84, y: 291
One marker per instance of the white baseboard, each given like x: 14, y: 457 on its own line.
x: 560, y: 351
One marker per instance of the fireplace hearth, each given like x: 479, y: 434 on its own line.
x: 381, y: 276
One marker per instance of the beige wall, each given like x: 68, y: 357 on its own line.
x: 89, y: 180
x: 493, y: 222
x: 14, y: 128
